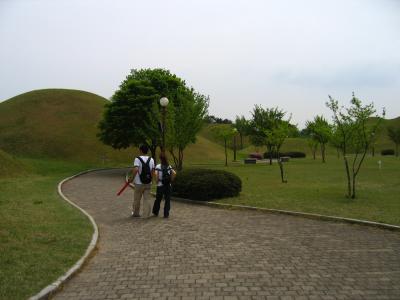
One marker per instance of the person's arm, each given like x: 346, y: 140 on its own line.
x: 156, y: 176
x: 173, y: 174
x: 135, y: 170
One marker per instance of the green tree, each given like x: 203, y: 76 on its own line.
x: 241, y: 124
x: 353, y: 135
x: 190, y: 109
x: 133, y: 115
x: 225, y: 133
x: 268, y: 128
x: 321, y: 132
x: 261, y: 127
x: 394, y: 135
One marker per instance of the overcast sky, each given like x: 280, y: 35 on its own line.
x: 290, y: 54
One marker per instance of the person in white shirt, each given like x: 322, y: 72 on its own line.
x: 143, y: 173
x: 164, y: 174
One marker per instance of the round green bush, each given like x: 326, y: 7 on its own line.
x: 205, y: 184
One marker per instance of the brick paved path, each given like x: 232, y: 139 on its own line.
x: 209, y: 253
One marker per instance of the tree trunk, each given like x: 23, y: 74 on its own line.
x: 176, y: 159
x: 226, y: 155
x: 270, y: 154
x: 153, y: 150
x: 180, y: 160
x: 323, y: 152
x: 353, y: 194
x: 282, y: 171
x: 346, y: 163
x: 373, y: 151
x: 241, y: 141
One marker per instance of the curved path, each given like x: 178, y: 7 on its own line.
x: 207, y: 253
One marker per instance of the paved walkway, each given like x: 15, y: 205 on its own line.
x: 210, y: 253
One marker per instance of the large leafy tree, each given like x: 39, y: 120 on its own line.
x: 394, y: 135
x: 133, y: 115
x: 321, y: 132
x: 353, y: 135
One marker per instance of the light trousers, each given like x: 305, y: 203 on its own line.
x: 142, y: 190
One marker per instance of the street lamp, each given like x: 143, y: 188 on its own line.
x: 163, y: 102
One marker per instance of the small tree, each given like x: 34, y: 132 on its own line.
x: 241, y: 124
x: 321, y: 132
x: 353, y: 135
x: 394, y: 135
x: 225, y: 133
x: 262, y: 125
x: 189, y: 111
x: 269, y: 129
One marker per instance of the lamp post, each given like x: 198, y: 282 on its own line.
x: 163, y: 102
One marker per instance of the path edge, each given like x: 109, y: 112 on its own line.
x: 52, y: 288
x: 292, y: 213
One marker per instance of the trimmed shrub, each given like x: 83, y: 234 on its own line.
x: 387, y: 152
x: 255, y: 155
x: 291, y: 154
x: 205, y: 184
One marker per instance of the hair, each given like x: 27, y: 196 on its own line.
x: 144, y: 149
x: 164, y: 159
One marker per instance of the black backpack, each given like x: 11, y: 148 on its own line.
x: 145, y: 175
x: 166, y: 175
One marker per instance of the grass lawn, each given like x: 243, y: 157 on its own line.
x: 320, y: 188
x: 41, y: 236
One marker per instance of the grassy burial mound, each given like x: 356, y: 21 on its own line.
x: 56, y: 123
x: 62, y: 124
x: 10, y: 166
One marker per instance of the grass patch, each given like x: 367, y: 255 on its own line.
x: 314, y: 187
x: 41, y: 236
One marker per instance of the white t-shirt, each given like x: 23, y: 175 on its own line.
x: 159, y: 173
x: 138, y: 163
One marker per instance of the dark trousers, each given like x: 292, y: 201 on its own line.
x: 163, y: 191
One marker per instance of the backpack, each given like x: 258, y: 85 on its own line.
x: 166, y: 175
x: 145, y: 175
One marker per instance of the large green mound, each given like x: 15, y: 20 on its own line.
x: 10, y: 166
x: 62, y: 124
x: 55, y: 123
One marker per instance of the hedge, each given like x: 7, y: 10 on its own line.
x: 206, y: 184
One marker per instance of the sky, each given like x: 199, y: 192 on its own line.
x: 288, y: 54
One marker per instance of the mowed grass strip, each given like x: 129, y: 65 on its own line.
x: 41, y: 236
x: 315, y: 187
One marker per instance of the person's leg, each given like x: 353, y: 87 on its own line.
x: 147, y: 204
x: 156, y: 206
x: 167, y: 198
x: 137, y: 196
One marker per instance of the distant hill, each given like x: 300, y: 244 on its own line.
x: 55, y: 123
x: 10, y: 166
x: 62, y: 124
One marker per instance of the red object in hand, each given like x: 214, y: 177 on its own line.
x: 123, y: 188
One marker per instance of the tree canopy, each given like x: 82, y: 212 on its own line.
x: 133, y: 115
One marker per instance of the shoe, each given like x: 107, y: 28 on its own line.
x: 166, y: 217
x: 154, y: 214
x: 135, y: 215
